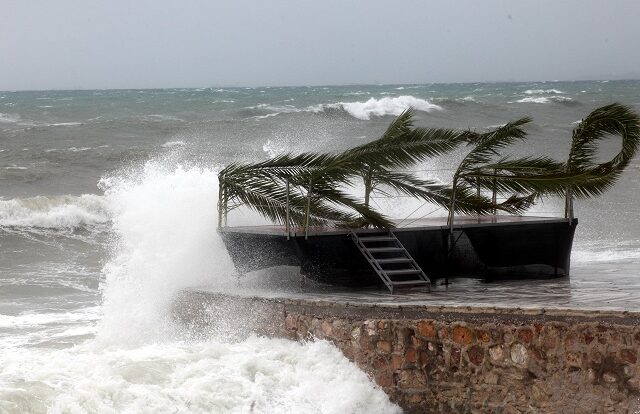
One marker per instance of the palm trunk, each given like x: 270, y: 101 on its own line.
x: 568, y: 205
x: 306, y: 215
x: 367, y: 187
x: 494, y: 195
x: 221, y: 206
x: 451, y: 210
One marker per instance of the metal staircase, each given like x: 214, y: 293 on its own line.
x: 391, y: 261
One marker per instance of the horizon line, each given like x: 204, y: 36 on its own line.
x: 314, y: 86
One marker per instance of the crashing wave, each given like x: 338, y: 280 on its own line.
x: 171, y: 144
x: 385, y: 106
x: 360, y: 110
x: 541, y: 91
x: 57, y: 212
x: 544, y: 99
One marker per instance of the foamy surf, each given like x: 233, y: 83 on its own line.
x: 386, y: 106
x: 542, y: 91
x: 257, y: 375
x: 359, y: 110
x: 54, y: 212
x: 172, y: 144
x: 163, y: 220
x: 544, y: 99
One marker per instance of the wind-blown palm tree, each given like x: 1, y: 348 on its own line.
x: 527, y: 178
x: 310, y: 188
x: 313, y: 184
x: 613, y: 119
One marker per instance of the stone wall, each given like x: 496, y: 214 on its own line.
x: 448, y: 359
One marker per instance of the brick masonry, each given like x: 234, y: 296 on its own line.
x: 458, y: 359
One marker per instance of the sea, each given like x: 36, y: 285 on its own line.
x: 108, y: 211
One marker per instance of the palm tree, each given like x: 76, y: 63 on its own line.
x: 527, y: 178
x: 312, y: 185
x: 613, y: 119
x: 309, y: 188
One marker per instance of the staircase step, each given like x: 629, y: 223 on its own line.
x: 403, y: 272
x: 377, y: 239
x: 416, y: 282
x: 385, y: 249
x: 394, y: 260
x: 399, y: 256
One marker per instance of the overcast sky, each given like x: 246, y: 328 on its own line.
x: 87, y: 44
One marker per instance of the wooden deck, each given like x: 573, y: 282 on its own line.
x: 401, y: 225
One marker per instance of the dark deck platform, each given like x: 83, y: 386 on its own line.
x: 484, y: 246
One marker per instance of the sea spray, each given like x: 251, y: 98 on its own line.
x: 165, y: 240
x: 257, y: 375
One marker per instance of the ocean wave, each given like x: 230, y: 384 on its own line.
x: 544, y: 99
x: 56, y: 212
x: 258, y: 375
x: 613, y: 254
x: 66, y: 124
x: 266, y: 116
x: 9, y: 118
x: 35, y: 319
x: 360, y: 110
x: 386, y: 106
x: 171, y: 144
x: 162, y: 117
x: 542, y: 91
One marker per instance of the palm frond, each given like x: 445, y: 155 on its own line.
x: 613, y: 119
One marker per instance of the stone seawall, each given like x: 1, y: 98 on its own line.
x: 457, y: 359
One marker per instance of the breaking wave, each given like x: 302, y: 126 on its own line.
x: 386, y: 106
x: 54, y: 212
x: 170, y: 144
x: 544, y: 99
x: 258, y: 375
x: 360, y: 110
x: 542, y: 91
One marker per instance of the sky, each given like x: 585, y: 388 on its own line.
x: 106, y: 44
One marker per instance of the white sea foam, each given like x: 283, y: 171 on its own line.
x: 9, y: 118
x: 54, y: 212
x: 66, y: 124
x: 612, y: 254
x: 266, y: 116
x: 33, y: 319
x: 385, y: 106
x: 171, y: 144
x: 360, y: 110
x: 165, y: 222
x: 162, y: 117
x: 544, y: 99
x: 257, y: 375
x: 542, y: 91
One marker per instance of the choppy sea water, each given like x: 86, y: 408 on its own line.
x: 108, y: 209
